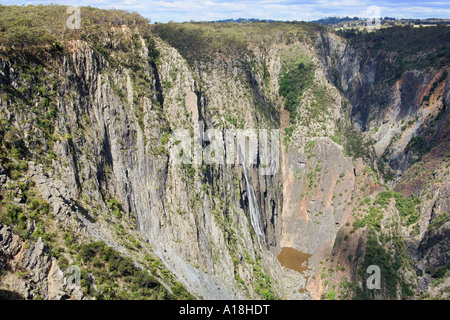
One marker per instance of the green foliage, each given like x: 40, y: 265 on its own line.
x: 19, y: 205
x: 375, y: 254
x: 231, y: 120
x: 296, y: 77
x: 331, y: 295
x: 309, y: 148
x: 372, y: 220
x: 413, y: 48
x: 165, y: 138
x: 289, y: 130
x: 39, y: 205
x: 384, y: 198
x: 31, y: 27
x: 12, y: 149
x: 189, y: 169
x: 209, y: 41
x: 261, y: 281
x: 198, y: 41
x: 418, y: 147
x: 405, y: 206
x: 14, y: 212
x: 386, y: 172
x: 115, y: 206
x: 321, y: 101
x: 441, y: 272
x: 350, y: 288
x: 116, y: 276
x: 337, y: 137
x: 368, y: 170
x: 439, y: 221
x: 355, y: 146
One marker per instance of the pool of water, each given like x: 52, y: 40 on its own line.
x: 293, y: 259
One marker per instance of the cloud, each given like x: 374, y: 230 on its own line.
x: 179, y: 10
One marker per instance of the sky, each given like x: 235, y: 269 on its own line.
x: 209, y: 10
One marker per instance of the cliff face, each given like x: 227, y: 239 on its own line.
x: 93, y: 131
x: 99, y: 155
x: 403, y: 115
x: 82, y: 137
x: 395, y: 95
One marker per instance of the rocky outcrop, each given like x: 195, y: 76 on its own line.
x: 39, y: 273
x: 391, y: 109
x: 10, y: 245
x: 315, y: 191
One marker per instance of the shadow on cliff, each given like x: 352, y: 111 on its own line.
x: 10, y: 295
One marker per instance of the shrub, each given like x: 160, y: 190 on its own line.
x: 375, y: 254
x: 293, y: 81
x: 115, y: 206
x: 331, y: 295
x: 418, y: 147
x: 405, y: 206
x: 441, y: 272
x: 46, y: 25
x: 39, y: 205
x: 354, y: 144
x: 289, y: 130
x: 439, y: 221
x: 372, y: 220
x: 383, y: 198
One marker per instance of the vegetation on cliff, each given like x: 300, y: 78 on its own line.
x: 95, y: 108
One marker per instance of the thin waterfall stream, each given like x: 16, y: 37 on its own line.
x: 255, y: 215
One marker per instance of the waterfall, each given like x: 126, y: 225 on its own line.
x: 255, y: 215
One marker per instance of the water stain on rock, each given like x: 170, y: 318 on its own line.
x: 293, y: 259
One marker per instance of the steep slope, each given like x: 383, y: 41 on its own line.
x: 99, y: 108
x: 136, y: 153
x: 399, y: 100
x: 331, y: 92
x: 70, y: 139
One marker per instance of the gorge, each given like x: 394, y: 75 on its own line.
x: 88, y: 176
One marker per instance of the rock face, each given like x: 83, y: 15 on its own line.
x: 107, y: 120
x: 313, y: 207
x: 397, y: 113
x: 392, y: 109
x: 10, y: 244
x: 39, y: 276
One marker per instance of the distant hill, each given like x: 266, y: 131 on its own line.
x: 346, y: 21
x: 340, y: 21
x: 334, y: 20
x: 242, y: 20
